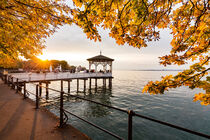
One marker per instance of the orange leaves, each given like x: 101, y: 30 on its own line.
x: 189, y: 78
x: 204, y: 98
x: 171, y: 59
x: 155, y: 87
x: 25, y: 25
x: 78, y: 3
x: 128, y: 21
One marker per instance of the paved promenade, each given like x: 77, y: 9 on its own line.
x: 19, y: 120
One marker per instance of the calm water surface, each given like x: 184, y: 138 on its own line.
x: 176, y: 106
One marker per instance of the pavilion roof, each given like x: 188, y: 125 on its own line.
x: 100, y: 58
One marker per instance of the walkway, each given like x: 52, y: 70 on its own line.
x: 19, y: 120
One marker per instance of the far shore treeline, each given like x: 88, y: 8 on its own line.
x: 39, y: 65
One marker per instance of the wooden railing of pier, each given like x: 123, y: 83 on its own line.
x: 51, y: 76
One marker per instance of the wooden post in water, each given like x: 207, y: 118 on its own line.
x: 110, y: 82
x: 47, y: 90
x: 84, y: 85
x: 77, y: 85
x: 104, y: 82
x: 95, y: 85
x: 90, y: 84
x: 40, y: 88
x: 68, y: 86
x: 95, y: 82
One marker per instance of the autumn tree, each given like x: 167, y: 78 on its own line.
x: 25, y: 24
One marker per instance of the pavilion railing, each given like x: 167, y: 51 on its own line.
x: 15, y: 82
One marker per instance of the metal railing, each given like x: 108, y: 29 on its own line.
x: 64, y: 117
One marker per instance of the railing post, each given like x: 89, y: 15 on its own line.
x: 40, y: 89
x: 61, y: 108
x: 61, y: 85
x: 17, y: 85
x: 24, y: 90
x: 130, y: 115
x: 37, y: 96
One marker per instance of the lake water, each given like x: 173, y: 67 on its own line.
x: 176, y: 106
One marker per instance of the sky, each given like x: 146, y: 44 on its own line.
x: 71, y: 44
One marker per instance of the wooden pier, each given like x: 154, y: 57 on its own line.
x: 44, y: 79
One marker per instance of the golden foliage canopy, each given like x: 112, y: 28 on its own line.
x: 25, y: 24
x: 137, y: 22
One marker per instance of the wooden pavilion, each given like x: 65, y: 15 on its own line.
x: 101, y: 60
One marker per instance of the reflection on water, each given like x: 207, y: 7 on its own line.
x: 176, y: 107
x: 103, y: 96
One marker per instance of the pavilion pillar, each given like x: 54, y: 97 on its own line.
x: 95, y: 67
x: 89, y: 67
x: 111, y: 67
x: 104, y: 68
